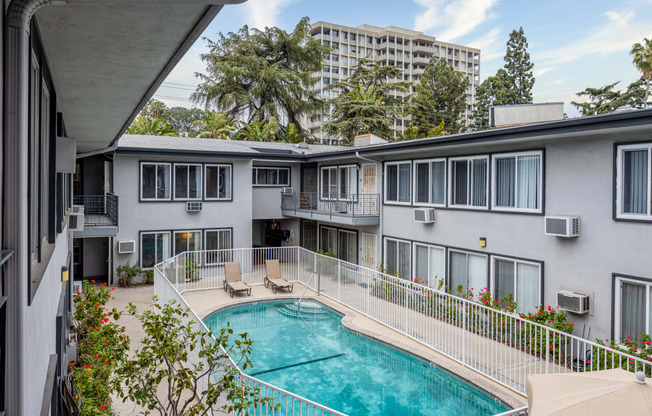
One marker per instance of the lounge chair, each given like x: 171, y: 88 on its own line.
x: 233, y: 279
x: 273, y: 277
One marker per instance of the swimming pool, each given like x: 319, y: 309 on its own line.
x: 310, y: 354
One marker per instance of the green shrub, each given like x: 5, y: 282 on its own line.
x: 127, y: 272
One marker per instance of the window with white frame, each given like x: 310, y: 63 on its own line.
x: 154, y: 248
x: 218, y: 179
x: 187, y: 181
x: 155, y: 181
x: 430, y: 182
x: 271, y: 176
x: 429, y: 264
x: 469, y: 182
x: 634, y: 179
x: 339, y: 182
x: 397, y: 182
x: 517, y: 179
x: 520, y: 278
x: 632, y: 308
x: 397, y: 258
x: 215, y: 241
x: 186, y: 241
x: 468, y: 271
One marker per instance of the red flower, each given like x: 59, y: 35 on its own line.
x: 92, y: 281
x: 103, y: 407
x: 112, y: 288
x: 106, y: 362
x: 79, y: 293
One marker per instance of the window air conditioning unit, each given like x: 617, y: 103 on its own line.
x: 126, y: 246
x: 340, y: 207
x: 193, y: 206
x: 424, y: 215
x: 76, y: 221
x: 77, y: 209
x: 562, y: 226
x: 287, y: 191
x: 572, y: 301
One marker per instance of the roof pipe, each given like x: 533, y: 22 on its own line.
x: 380, y: 199
x: 15, y: 190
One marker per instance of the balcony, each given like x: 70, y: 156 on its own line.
x: 348, y: 209
x: 100, y: 215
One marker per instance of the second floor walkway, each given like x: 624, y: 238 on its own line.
x: 349, y: 209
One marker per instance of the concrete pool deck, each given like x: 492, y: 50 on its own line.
x: 205, y: 302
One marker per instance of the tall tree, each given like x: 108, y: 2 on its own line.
x: 154, y: 109
x: 257, y: 74
x: 153, y: 127
x: 216, y: 125
x: 642, y: 57
x: 439, y: 97
x: 605, y: 99
x: 519, y: 68
x: 367, y: 102
x: 182, y: 119
x: 493, y: 91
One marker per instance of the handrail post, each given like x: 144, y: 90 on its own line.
x: 547, y: 350
x: 339, y: 278
x: 463, y: 355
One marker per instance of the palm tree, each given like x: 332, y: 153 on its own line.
x: 642, y: 57
x: 259, y: 130
x: 216, y: 125
x: 153, y: 127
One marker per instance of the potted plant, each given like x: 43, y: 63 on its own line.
x: 126, y: 273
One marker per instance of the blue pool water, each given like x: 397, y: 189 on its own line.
x: 312, y: 355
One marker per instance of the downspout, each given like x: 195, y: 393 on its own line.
x: 380, y: 202
x: 15, y: 204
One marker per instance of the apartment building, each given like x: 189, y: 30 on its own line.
x: 539, y: 210
x: 407, y: 49
x: 74, y: 78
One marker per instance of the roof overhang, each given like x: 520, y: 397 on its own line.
x: 108, y: 57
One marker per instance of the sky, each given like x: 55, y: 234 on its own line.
x: 573, y: 44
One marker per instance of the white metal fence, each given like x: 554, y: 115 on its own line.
x: 498, y: 344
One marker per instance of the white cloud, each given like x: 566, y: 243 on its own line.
x: 263, y: 13
x: 618, y: 34
x: 491, y: 47
x: 452, y: 18
x: 537, y: 72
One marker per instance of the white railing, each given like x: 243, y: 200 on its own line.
x: 521, y: 411
x: 498, y: 344
x: 208, y: 273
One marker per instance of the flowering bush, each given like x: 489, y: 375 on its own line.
x: 602, y: 359
x: 101, y: 345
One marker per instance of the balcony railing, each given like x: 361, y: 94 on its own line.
x: 99, y: 210
x: 350, y: 206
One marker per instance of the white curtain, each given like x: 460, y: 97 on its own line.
x: 479, y: 183
x: 421, y: 267
x: 437, y: 266
x: 437, y: 182
x: 503, y: 278
x: 477, y: 272
x: 505, y: 181
x: 528, y: 288
x: 632, y: 316
x: 635, y: 182
x: 162, y: 247
x: 404, y: 188
x: 459, y: 271
x: 528, y: 181
x: 404, y: 260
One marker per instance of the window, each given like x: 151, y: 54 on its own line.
x: 154, y: 248
x: 335, y: 33
x: 218, y: 240
x: 430, y: 182
x: 187, y: 181
x: 397, y: 182
x: 186, y: 241
x: 397, y: 258
x: 517, y: 181
x: 521, y: 279
x: 155, y: 181
x: 632, y: 308
x: 218, y: 182
x: 35, y: 149
x: 469, y: 182
x: 271, y: 176
x: 370, y: 39
x: 347, y: 246
x: 339, y: 182
x: 468, y: 271
x: 328, y: 239
x: 429, y: 264
x: 634, y: 176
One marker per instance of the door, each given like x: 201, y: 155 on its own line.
x: 368, y: 258
x: 369, y: 200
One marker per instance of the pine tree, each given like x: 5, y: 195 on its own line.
x: 440, y: 97
x: 494, y: 90
x: 519, y: 68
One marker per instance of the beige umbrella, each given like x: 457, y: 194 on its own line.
x: 609, y: 392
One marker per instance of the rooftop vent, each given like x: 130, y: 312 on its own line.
x: 516, y: 115
x: 367, y: 140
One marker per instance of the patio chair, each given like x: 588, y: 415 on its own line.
x: 233, y: 280
x: 273, y: 277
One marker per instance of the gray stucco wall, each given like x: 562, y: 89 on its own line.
x: 578, y: 181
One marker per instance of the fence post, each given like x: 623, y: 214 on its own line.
x: 547, y: 350
x: 406, y: 309
x: 463, y: 331
x: 339, y: 278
